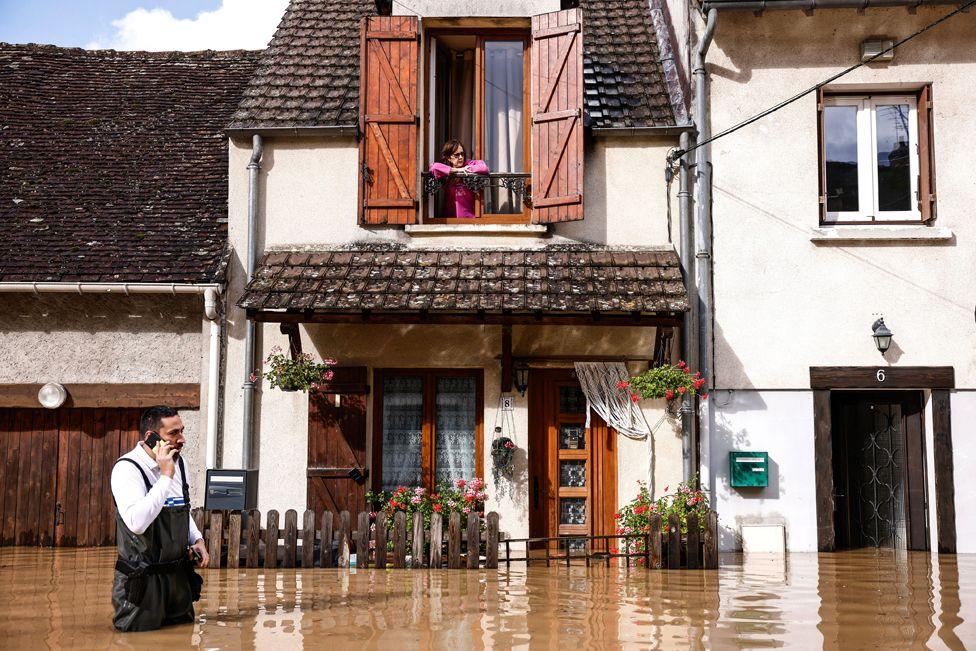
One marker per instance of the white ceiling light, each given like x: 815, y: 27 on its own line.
x: 52, y: 395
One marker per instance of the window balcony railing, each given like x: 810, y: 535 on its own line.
x: 515, y: 182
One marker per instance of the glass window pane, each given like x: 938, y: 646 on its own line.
x: 572, y: 400
x: 840, y: 133
x: 504, y: 94
x: 572, y: 473
x: 572, y: 510
x: 894, y: 170
x: 403, y: 400
x: 572, y: 437
x: 456, y: 419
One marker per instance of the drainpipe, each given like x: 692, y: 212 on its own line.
x: 213, y: 374
x: 253, y: 168
x: 703, y: 227
x: 689, y: 340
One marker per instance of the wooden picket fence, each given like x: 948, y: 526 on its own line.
x: 656, y: 549
x: 237, y: 539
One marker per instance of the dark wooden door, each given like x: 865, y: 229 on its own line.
x: 55, y: 470
x: 573, y: 469
x: 879, y: 470
x: 337, y: 446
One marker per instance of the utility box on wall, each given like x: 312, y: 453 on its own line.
x: 748, y: 469
x: 231, y: 490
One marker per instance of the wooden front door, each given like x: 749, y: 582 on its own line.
x: 55, y: 474
x: 879, y: 470
x: 572, y: 468
x: 337, y: 445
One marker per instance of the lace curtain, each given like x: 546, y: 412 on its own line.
x: 403, y: 401
x: 456, y: 419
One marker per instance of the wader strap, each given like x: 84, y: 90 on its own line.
x: 186, y: 487
x: 141, y: 472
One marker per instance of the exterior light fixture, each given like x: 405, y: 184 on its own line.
x: 882, y: 335
x: 520, y: 370
x: 384, y: 7
x: 52, y: 395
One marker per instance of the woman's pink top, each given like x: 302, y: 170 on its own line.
x: 458, y: 199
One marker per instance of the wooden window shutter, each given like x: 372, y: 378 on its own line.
x: 821, y: 156
x: 388, y: 119
x: 557, y: 117
x: 926, y: 156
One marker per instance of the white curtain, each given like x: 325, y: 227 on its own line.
x: 403, y: 400
x: 504, y: 92
x: 462, y: 100
x: 454, y: 447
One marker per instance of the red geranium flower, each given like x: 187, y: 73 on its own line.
x: 634, y: 397
x: 669, y: 394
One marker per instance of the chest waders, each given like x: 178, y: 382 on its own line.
x: 155, y: 584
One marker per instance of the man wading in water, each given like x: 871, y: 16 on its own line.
x: 155, y: 583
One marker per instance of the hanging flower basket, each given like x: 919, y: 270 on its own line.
x: 503, y: 456
x: 671, y: 382
x: 300, y: 374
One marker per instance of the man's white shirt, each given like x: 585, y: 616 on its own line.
x: 139, y: 508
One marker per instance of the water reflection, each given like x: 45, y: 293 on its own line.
x: 60, y: 599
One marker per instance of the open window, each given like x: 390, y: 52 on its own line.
x: 876, y: 158
x: 512, y: 96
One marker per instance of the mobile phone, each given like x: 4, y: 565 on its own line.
x: 155, y: 438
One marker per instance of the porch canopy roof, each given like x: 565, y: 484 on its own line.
x: 394, y: 284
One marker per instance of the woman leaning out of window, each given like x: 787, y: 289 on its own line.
x: 458, y: 198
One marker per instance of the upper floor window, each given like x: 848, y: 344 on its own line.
x: 499, y: 136
x: 876, y: 158
x: 477, y: 133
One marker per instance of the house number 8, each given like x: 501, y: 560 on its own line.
x: 880, y: 375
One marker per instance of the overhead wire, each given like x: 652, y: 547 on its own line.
x: 678, y: 153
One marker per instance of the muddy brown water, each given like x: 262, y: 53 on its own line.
x: 59, y: 599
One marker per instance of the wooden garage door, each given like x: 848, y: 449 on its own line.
x: 55, y: 469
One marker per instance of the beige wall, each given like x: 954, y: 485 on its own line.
x: 95, y: 339
x: 783, y: 303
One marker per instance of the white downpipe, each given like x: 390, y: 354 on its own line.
x: 213, y: 374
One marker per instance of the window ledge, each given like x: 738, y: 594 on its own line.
x: 475, y: 229
x: 880, y: 233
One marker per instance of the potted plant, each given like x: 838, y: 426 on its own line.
x: 299, y: 374
x: 669, y: 381
x: 502, y: 455
x: 635, y: 518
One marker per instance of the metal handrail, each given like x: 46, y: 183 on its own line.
x: 516, y: 182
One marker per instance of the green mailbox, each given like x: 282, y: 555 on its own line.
x: 749, y: 469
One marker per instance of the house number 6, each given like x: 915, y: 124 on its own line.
x: 880, y: 375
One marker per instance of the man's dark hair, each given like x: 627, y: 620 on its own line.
x: 153, y: 417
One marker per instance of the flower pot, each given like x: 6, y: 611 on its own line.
x: 290, y: 387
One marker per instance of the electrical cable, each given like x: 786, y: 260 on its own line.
x: 721, y: 134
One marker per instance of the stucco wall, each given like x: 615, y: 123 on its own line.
x: 68, y: 339
x: 282, y: 438
x: 783, y: 303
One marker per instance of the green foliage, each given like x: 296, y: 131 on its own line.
x: 299, y: 374
x: 669, y: 381
x: 635, y: 517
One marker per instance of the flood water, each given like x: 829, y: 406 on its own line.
x: 59, y: 599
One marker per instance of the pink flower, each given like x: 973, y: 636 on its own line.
x: 466, y: 509
x: 681, y: 363
x: 254, y: 377
x: 509, y: 445
x: 482, y: 496
x: 416, y: 499
x: 419, y: 490
x: 459, y: 483
x: 328, y: 375
x: 476, y: 484
x: 330, y: 361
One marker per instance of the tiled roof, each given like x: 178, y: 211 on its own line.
x: 556, y: 279
x: 113, y: 165
x: 309, y: 75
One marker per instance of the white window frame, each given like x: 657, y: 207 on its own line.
x: 867, y: 158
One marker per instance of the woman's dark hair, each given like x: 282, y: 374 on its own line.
x: 153, y: 417
x: 449, y: 148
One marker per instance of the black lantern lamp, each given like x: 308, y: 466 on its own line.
x: 384, y: 7
x: 882, y: 335
x: 520, y: 369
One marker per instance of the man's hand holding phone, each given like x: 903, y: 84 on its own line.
x: 165, y: 455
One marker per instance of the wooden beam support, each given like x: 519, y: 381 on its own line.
x: 294, y: 339
x: 823, y: 465
x: 945, y: 492
x: 506, y: 359
x: 178, y: 396
x: 882, y: 377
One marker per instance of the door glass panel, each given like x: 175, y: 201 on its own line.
x: 840, y: 134
x: 403, y: 400
x: 455, y: 428
x: 894, y: 170
x: 572, y: 474
x: 571, y: 400
x: 503, y: 120
x: 572, y: 437
x: 572, y: 510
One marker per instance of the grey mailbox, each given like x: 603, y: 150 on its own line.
x: 231, y: 490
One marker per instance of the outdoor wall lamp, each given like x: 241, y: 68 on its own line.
x: 52, y: 395
x: 384, y: 7
x: 882, y: 335
x: 520, y: 369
